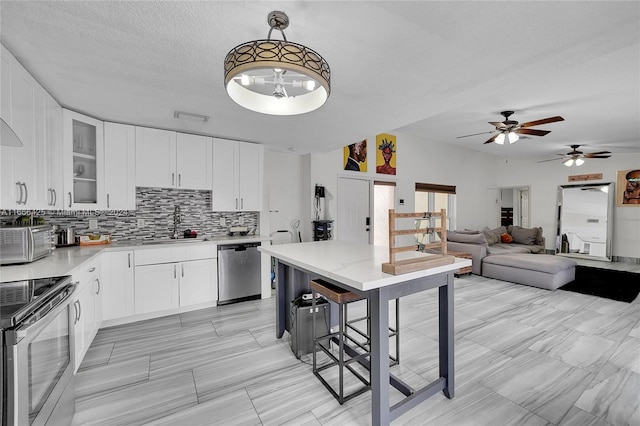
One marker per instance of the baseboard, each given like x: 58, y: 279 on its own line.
x: 623, y: 259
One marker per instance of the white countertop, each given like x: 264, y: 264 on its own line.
x: 63, y: 260
x: 353, y: 264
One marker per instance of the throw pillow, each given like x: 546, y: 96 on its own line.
x: 524, y: 235
x: 506, y: 238
x: 493, y: 235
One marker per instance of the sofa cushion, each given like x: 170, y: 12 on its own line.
x: 493, y: 235
x: 524, y: 235
x: 501, y: 248
x: 546, y: 263
x: 466, y: 238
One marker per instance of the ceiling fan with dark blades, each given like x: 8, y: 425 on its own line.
x: 511, y: 129
x: 577, y: 157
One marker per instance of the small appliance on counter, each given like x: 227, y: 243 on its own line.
x: 238, y: 230
x: 65, y: 237
x: 188, y: 233
x: 24, y: 244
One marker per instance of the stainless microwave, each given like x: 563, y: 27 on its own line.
x: 23, y: 244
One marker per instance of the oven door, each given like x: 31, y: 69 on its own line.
x: 38, y: 369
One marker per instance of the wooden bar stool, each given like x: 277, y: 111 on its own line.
x: 341, y: 297
x: 357, y: 350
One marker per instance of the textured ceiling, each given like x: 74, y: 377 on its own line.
x: 438, y: 70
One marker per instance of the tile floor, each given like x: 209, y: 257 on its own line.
x: 524, y: 356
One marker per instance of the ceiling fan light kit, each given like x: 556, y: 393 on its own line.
x: 511, y: 129
x: 277, y: 77
x: 577, y: 157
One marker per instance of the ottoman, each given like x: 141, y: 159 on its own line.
x: 539, y: 270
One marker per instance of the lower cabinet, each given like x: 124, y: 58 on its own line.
x: 86, y: 312
x: 118, y: 283
x: 172, y: 285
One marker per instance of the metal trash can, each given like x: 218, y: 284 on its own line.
x: 302, y: 324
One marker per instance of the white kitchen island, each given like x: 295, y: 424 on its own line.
x: 358, y: 268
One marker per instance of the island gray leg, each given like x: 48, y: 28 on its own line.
x: 446, y: 339
x: 380, y: 414
x: 281, y: 296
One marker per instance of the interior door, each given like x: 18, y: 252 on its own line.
x: 353, y: 210
x: 524, y: 208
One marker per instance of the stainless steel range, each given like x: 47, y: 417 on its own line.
x: 37, y: 373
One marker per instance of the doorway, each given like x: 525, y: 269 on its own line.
x: 514, y: 206
x: 363, y: 210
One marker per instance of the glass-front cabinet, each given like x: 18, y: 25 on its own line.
x: 84, y: 161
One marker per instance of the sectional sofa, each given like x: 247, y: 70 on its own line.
x: 490, y: 242
x: 513, y: 254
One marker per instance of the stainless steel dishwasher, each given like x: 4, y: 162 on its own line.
x: 238, y: 272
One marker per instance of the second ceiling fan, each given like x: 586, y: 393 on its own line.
x: 511, y: 129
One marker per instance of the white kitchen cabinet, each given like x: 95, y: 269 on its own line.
x: 30, y: 175
x: 86, y: 312
x: 120, y: 166
x: 53, y: 152
x: 237, y: 176
x: 198, y: 282
x: 175, y: 277
x: 118, y: 284
x: 156, y: 288
x: 83, y: 161
x: 172, y: 160
x: 193, y: 161
x: 18, y: 111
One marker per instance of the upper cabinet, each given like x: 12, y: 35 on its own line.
x: 30, y: 174
x: 237, y: 176
x: 83, y: 161
x: 168, y: 159
x: 120, y: 166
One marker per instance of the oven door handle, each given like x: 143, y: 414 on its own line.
x: 37, y: 321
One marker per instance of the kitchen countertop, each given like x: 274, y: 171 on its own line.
x: 64, y: 259
x: 356, y: 265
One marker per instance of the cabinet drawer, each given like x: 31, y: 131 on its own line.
x: 87, y: 271
x: 190, y: 251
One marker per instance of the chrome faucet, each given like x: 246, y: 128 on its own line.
x: 177, y: 218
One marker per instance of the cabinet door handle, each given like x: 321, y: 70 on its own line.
x: 26, y: 193
x: 70, y: 199
x: 76, y: 307
x: 107, y: 200
x: 92, y: 269
x: 79, y: 310
x: 55, y: 197
x: 174, y: 272
x: 241, y: 203
x: 98, y: 281
x: 129, y: 259
x: 19, y: 199
x: 179, y: 179
x: 182, y: 266
x: 236, y: 204
x: 50, y: 196
x: 173, y: 179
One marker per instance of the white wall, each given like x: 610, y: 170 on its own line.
x: 476, y: 177
x: 418, y: 160
x: 544, y: 178
x: 284, y: 192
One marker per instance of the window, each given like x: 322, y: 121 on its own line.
x: 383, y: 200
x: 432, y: 198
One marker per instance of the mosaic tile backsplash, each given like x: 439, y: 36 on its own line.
x: 155, y: 206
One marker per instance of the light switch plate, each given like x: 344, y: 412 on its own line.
x: 140, y: 223
x: 93, y: 223
x: 223, y: 221
x: 241, y: 220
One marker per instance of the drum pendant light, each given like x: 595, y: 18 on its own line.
x: 277, y: 77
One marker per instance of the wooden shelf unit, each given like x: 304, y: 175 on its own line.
x: 397, y: 267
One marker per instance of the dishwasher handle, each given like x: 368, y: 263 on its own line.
x: 238, y: 247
